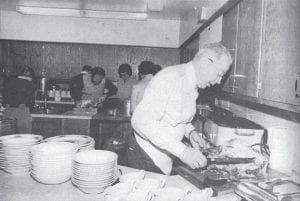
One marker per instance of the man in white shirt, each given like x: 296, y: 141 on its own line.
x: 164, y: 115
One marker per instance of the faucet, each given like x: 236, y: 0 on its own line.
x: 44, y: 90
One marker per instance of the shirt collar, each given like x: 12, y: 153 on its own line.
x: 123, y: 82
x: 147, y: 77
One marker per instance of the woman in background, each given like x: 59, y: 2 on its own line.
x: 18, y: 97
x: 126, y: 82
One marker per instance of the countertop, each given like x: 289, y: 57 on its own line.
x: 98, y: 116
x: 24, y: 188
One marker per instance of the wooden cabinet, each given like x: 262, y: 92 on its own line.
x: 48, y: 127
x: 281, y: 47
x: 242, y: 34
x: 212, y: 33
x: 264, y: 39
x: 229, y: 35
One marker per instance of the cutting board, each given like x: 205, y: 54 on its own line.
x: 197, y: 178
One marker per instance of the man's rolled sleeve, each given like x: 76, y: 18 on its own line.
x: 189, y: 129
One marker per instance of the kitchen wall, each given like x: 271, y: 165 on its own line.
x: 63, y: 60
x: 192, y: 20
x: 150, y: 33
x: 286, y: 132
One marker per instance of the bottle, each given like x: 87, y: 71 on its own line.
x: 127, y: 105
x: 43, y: 83
x: 57, y: 96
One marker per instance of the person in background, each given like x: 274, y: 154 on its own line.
x: 126, y: 82
x: 146, y: 73
x: 19, y: 97
x: 157, y: 68
x: 79, y: 82
x: 163, y: 117
x: 100, y: 89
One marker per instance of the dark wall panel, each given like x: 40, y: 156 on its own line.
x: 63, y: 60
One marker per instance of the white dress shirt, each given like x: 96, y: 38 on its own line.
x: 138, y: 91
x: 164, y: 115
x: 125, y: 88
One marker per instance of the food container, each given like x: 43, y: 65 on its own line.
x: 221, y: 129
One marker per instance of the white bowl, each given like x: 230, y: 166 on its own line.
x: 53, y: 148
x: 96, y: 157
x: 92, y: 190
x: 51, y: 180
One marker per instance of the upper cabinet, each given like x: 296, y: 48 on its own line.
x: 212, y: 33
x: 263, y: 37
x: 242, y: 35
x: 280, y: 66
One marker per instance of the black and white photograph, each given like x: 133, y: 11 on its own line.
x: 149, y: 100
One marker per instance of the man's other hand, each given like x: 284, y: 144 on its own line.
x: 193, y: 158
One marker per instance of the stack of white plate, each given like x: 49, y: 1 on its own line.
x: 84, y: 142
x: 51, y: 162
x: 8, y: 126
x: 14, y: 152
x: 94, y: 170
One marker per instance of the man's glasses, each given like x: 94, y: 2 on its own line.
x: 220, y: 74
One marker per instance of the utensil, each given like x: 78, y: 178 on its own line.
x: 212, y: 150
x: 229, y: 160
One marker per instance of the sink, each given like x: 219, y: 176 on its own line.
x: 51, y: 110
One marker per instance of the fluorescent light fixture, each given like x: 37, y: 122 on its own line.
x: 28, y: 10
x: 67, y: 12
x: 114, y: 15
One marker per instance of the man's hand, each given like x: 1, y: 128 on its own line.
x: 102, y: 98
x: 197, y: 141
x: 193, y: 158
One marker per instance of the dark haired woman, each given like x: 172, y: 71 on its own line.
x: 126, y: 82
x: 18, y: 97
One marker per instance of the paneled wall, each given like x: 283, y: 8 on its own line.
x: 63, y: 60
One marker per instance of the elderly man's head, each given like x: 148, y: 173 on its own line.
x: 211, y: 62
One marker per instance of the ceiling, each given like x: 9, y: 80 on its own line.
x: 156, y: 9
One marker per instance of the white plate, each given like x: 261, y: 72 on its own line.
x: 19, y: 139
x: 54, y: 148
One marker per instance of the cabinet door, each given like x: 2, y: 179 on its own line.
x: 47, y: 127
x: 281, y: 60
x: 213, y: 33
x: 76, y: 126
x: 229, y: 34
x: 248, y: 47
